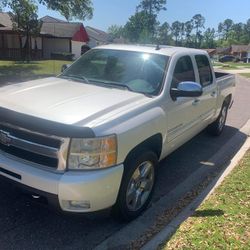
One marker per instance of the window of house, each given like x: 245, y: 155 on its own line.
x: 183, y: 72
x: 205, y: 72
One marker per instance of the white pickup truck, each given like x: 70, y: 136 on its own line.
x: 91, y: 138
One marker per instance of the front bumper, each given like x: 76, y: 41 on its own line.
x: 96, y: 189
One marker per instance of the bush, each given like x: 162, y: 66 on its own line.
x: 62, y: 56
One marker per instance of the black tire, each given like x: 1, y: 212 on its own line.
x: 217, y: 127
x: 123, y: 209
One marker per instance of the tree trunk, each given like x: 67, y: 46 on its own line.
x: 20, y: 45
x: 27, y: 47
x: 150, y: 7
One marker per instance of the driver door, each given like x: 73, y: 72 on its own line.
x: 182, y: 113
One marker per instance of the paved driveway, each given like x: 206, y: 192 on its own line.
x: 26, y: 225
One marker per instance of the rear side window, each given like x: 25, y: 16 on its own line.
x: 205, y: 72
x: 183, y: 72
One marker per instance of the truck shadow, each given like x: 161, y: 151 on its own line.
x: 29, y: 225
x: 193, y: 155
x: 190, y: 211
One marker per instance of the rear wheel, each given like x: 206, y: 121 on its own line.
x: 217, y: 126
x: 137, y: 186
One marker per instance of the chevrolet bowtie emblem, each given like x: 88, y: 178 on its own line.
x: 5, y: 138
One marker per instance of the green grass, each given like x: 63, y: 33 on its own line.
x: 229, y: 67
x: 222, y: 221
x: 225, y: 65
x: 247, y: 75
x: 232, y: 65
x: 239, y: 64
x: 11, y: 71
x: 217, y: 64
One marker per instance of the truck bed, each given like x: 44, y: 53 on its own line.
x: 226, y: 83
x: 225, y: 79
x: 221, y: 74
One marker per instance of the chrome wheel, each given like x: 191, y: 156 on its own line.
x: 223, y: 117
x: 140, y: 186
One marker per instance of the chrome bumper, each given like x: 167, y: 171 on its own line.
x: 77, y: 191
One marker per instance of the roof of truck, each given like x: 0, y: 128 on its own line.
x: 157, y: 49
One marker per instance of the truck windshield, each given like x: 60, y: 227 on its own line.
x: 136, y: 71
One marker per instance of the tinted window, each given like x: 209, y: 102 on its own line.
x: 205, y: 71
x: 183, y: 71
x: 139, y: 71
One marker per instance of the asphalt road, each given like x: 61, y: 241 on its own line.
x: 27, y: 225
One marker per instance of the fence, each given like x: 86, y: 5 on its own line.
x: 18, y: 54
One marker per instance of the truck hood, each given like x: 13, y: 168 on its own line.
x: 67, y: 101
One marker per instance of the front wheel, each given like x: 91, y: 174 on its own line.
x: 137, y: 186
x: 217, y: 126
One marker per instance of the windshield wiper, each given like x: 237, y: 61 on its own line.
x: 121, y: 86
x: 76, y: 78
x: 105, y: 83
x: 112, y: 84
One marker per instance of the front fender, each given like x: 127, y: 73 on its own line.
x: 136, y: 129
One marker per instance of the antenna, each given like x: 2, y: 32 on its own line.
x: 54, y: 62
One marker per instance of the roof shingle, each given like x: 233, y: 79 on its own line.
x: 239, y: 48
x: 98, y: 35
x: 62, y: 30
x: 5, y: 20
x: 50, y: 19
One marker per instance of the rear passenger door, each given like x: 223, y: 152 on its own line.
x: 208, y: 99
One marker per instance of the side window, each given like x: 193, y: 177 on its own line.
x: 205, y: 72
x: 184, y: 71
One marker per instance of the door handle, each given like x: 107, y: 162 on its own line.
x: 213, y: 94
x: 196, y: 102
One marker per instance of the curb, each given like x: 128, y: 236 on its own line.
x: 171, y: 228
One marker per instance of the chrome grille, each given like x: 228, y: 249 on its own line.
x: 46, y: 150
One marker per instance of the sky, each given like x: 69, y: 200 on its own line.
x: 110, y: 12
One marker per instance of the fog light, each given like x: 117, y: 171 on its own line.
x: 80, y: 204
x: 76, y: 205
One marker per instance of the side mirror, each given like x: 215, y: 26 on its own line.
x: 186, y: 89
x: 64, y: 67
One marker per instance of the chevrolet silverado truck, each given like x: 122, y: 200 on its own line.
x: 91, y: 138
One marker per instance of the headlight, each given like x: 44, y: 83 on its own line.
x: 92, y: 153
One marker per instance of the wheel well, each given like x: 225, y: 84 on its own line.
x: 228, y: 99
x: 153, y: 143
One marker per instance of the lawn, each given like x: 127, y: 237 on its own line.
x: 239, y: 64
x: 11, y: 71
x: 245, y: 75
x: 222, y: 221
x: 232, y: 65
x: 217, y: 64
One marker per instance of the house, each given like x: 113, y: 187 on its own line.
x: 97, y: 37
x: 223, y: 51
x: 240, y: 51
x: 55, y: 36
x: 211, y: 52
x: 61, y: 36
x: 248, y: 54
x: 120, y: 40
x: 10, y: 40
